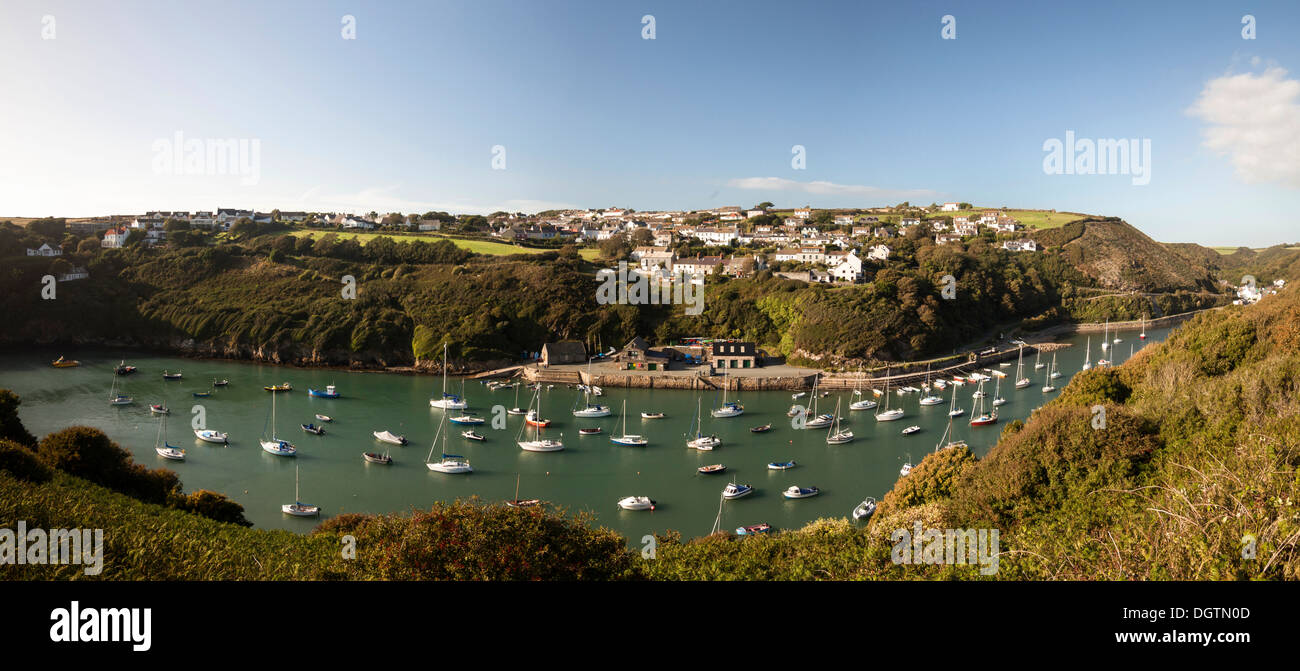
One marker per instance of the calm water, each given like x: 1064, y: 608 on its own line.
x: 590, y: 474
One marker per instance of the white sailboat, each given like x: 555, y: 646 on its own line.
x: 944, y: 443
x: 701, y: 441
x: 448, y: 401
x: 835, y: 435
x: 1105, y: 337
x: 862, y: 403
x: 1047, y: 385
x: 727, y: 409
x: 588, y: 409
x: 1038, y: 358
x: 1087, y: 356
x: 115, y: 398
x: 276, y: 446
x: 538, y: 444
x: 979, y: 417
x: 161, y: 446
x: 1143, y: 335
x: 1055, y: 373
x: 887, y: 415
x: 1021, y: 380
x: 929, y: 398
x: 997, y: 392
x: 449, y: 463
x: 298, y: 508
x: 628, y: 439
x: 812, y: 420
x: 953, y: 410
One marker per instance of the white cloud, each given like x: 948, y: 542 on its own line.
x: 1254, y: 119
x: 822, y: 188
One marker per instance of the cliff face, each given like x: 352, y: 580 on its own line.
x: 1120, y: 257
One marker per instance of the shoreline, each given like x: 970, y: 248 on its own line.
x: 800, y: 378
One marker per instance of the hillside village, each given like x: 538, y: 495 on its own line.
x: 829, y: 246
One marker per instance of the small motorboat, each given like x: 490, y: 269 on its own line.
x: 171, y: 376
x: 279, y: 387
x: 531, y: 419
x: 123, y: 369
x: 797, y: 492
x: 911, y: 430
x: 636, y: 503
x: 794, y: 410
x: 65, y: 363
x: 328, y: 392
x: 389, y: 437
x: 324, y: 418
x: 159, y: 409
x: 121, y: 400
x: 864, y: 509
x: 781, y: 465
x: 799, y: 395
x: 471, y: 435
x: 516, y: 411
x: 749, y: 530
x: 652, y: 415
x: 735, y: 491
x: 202, y: 394
x: 220, y: 383
x: 711, y: 469
x: 470, y: 420
x: 377, y: 458
x: 905, y: 470
x: 210, y: 436
x: 595, y: 430
x: 313, y: 429
x: 760, y: 429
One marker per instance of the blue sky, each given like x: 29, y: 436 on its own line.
x: 405, y: 116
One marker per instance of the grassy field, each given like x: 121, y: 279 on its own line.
x: 476, y: 246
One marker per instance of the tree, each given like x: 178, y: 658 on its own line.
x: 765, y: 205
x: 11, y: 428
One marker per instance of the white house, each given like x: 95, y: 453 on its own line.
x: 45, y: 250
x: 114, y: 238
x: 1020, y: 246
x: 879, y: 253
x: 844, y: 220
x: 849, y: 269
x: 803, y: 212
x: 750, y: 214
x: 717, y: 236
x: 950, y: 207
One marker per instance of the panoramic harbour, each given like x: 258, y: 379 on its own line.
x: 591, y: 473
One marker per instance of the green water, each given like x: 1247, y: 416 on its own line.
x: 590, y: 474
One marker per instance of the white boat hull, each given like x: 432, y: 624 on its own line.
x: 451, y: 467
x: 889, y: 415
x: 212, y: 436
x: 541, y: 445
x: 279, y: 448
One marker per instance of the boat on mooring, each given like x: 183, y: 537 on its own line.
x: 275, y: 445
x: 751, y: 529
x: 328, y: 392
x: 389, y: 437
x: 797, y: 492
x: 212, y: 436
x: 636, y: 503
x: 298, y: 508
x: 711, y: 469
x: 313, y: 429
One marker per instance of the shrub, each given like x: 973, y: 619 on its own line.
x: 22, y: 463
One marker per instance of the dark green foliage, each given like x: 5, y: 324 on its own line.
x: 20, y: 462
